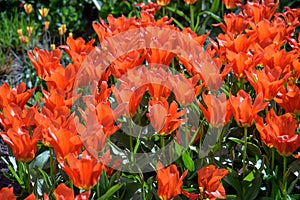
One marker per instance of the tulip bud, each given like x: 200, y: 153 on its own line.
x: 47, y: 23
x: 20, y: 32
x: 29, y: 30
x: 44, y: 12
x: 163, y: 2
x: 53, y: 46
x: 190, y: 2
x: 28, y: 8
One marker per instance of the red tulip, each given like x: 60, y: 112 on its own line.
x: 209, y: 182
x: 288, y: 98
x: 163, y: 118
x: 218, y: 109
x: 169, y: 182
x: 279, y: 132
x: 84, y: 171
x: 7, y: 193
x: 243, y: 111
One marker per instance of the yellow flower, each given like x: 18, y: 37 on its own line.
x: 71, y: 34
x: 20, y: 32
x: 28, y: 8
x: 62, y: 29
x: 53, y: 46
x: 44, y: 12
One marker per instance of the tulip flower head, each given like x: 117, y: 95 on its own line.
x: 279, y: 132
x: 44, y: 12
x: 163, y: 2
x: 28, y: 8
x: 243, y: 111
x: 169, y: 182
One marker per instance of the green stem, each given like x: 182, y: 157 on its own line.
x: 28, y: 178
x: 284, y: 178
x: 52, y: 167
x: 192, y: 18
x: 131, y: 142
x: 273, y: 160
x: 164, y: 11
x: 178, y: 12
x: 245, y: 151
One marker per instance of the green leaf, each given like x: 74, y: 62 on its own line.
x: 215, y: 6
x: 250, y: 177
x: 253, y: 192
x: 40, y: 161
x: 232, y: 179
x: 188, y: 161
x: 45, y: 177
x: 254, y: 149
x: 236, y: 140
x: 111, y: 191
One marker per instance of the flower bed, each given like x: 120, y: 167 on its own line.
x: 156, y: 111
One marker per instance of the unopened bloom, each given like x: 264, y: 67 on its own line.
x: 28, y: 8
x: 44, y: 12
x: 47, y: 23
x: 24, y: 39
x: 230, y: 4
x: 20, y: 32
x: 29, y: 30
x: 62, y: 29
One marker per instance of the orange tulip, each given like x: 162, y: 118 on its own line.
x: 169, y: 182
x: 267, y: 81
x: 17, y: 96
x: 64, y: 142
x: 243, y: 111
x: 234, y: 24
x: 288, y: 98
x: 159, y: 56
x: 279, y: 132
x: 23, y: 145
x: 163, y: 118
x: 78, y: 49
x: 150, y: 8
x: 84, y: 171
x: 218, y: 109
x: 7, y: 193
x: 62, y: 192
x: 209, y: 182
x: 46, y: 62
x: 163, y: 2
